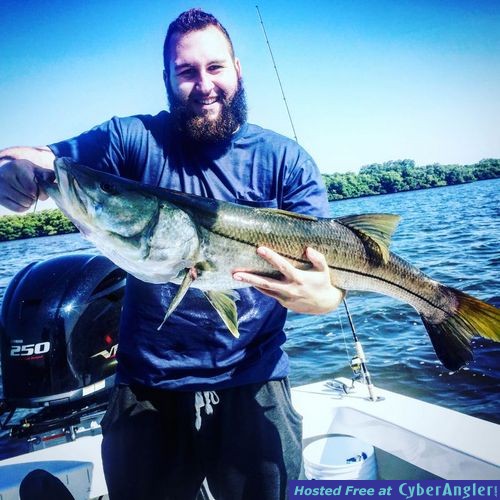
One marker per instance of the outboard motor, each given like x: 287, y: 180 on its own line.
x: 59, y: 330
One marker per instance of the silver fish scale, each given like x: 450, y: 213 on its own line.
x: 352, y: 266
x: 173, y: 243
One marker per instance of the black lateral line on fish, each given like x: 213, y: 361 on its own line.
x: 353, y: 271
x: 359, y: 273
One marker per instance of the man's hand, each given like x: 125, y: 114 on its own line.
x: 307, y: 292
x: 18, y: 186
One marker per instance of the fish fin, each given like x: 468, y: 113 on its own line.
x: 452, y: 337
x: 224, y: 304
x: 287, y: 213
x: 374, y: 230
x: 189, y: 277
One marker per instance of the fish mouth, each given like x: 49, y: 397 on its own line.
x: 71, y: 188
x: 73, y: 204
x: 76, y: 188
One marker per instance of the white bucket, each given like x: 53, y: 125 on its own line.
x: 339, y: 457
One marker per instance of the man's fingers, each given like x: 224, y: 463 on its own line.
x: 23, y: 179
x: 258, y: 281
x: 317, y: 259
x: 25, y: 187
x: 19, y: 184
x: 46, y: 175
x: 42, y: 196
x: 17, y: 181
x: 16, y: 193
x: 14, y: 205
x: 269, y: 293
x: 277, y: 261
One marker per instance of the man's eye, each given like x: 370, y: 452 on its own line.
x: 108, y: 188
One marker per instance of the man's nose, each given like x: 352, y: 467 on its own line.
x: 204, y: 83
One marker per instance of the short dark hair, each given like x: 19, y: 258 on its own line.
x: 192, y: 20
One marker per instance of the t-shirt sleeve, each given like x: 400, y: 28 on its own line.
x: 100, y: 148
x: 304, y: 190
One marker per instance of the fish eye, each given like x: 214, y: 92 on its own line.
x: 108, y: 188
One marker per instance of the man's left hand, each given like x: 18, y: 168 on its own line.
x: 309, y: 291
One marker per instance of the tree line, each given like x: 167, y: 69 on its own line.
x: 377, y: 178
x: 43, y: 223
x: 404, y: 175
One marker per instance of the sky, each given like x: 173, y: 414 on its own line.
x: 365, y: 81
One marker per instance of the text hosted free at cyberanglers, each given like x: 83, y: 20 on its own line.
x: 394, y: 489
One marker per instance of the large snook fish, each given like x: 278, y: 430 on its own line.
x: 160, y: 236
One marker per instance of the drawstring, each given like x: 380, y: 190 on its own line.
x: 204, y: 399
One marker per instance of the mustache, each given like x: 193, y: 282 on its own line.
x: 175, y: 103
x: 200, y: 129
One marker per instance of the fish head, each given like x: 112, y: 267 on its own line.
x: 100, y: 202
x: 130, y: 223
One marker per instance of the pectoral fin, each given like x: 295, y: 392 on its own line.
x: 189, y: 277
x: 225, y: 306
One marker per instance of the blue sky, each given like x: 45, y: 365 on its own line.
x: 366, y: 81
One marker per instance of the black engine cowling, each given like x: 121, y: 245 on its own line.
x: 59, y: 330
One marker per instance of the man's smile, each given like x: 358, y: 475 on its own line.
x: 207, y: 101
x: 205, y: 105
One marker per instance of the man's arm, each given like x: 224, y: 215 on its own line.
x: 18, y: 186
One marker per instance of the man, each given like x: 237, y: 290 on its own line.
x: 192, y: 402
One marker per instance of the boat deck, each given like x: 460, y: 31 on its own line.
x: 412, y: 440
x: 433, y: 440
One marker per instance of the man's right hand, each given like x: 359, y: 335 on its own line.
x: 18, y: 185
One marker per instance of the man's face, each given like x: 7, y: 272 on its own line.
x: 203, y: 77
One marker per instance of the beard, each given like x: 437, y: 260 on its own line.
x: 199, y: 128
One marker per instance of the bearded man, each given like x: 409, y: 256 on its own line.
x: 192, y: 402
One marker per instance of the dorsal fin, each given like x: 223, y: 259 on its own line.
x: 375, y: 230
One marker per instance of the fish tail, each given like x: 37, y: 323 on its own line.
x: 452, y: 337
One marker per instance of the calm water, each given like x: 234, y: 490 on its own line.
x: 451, y: 233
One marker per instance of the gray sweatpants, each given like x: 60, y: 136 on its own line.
x: 246, y: 441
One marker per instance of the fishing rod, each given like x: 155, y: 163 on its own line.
x: 360, y: 360
x: 277, y: 74
x: 358, y: 363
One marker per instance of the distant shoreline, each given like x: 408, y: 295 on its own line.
x: 408, y: 190
x: 403, y: 175
x: 372, y: 180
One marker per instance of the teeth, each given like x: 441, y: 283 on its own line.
x: 207, y: 101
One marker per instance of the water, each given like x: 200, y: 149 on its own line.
x: 451, y: 233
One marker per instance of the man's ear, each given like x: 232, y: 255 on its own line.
x: 237, y: 65
x: 165, y: 77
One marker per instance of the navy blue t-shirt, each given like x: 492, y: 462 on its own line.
x: 259, y: 168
